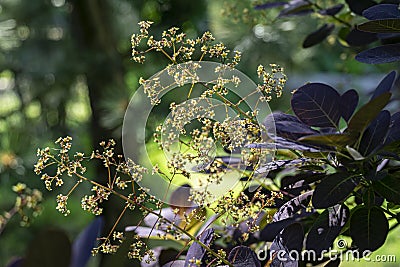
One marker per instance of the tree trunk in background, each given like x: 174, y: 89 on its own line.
x: 104, y: 70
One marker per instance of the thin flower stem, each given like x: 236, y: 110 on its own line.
x: 230, y: 104
x: 333, y: 16
x: 224, y: 99
x: 168, y: 56
x: 73, y: 188
x: 190, y: 91
x: 109, y: 174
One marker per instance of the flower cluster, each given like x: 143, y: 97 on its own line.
x: 139, y: 250
x: 178, y: 48
x: 62, y: 160
x: 238, y: 208
x: 62, y: 204
x: 121, y: 173
x: 91, y: 203
x: 27, y: 205
x: 236, y: 133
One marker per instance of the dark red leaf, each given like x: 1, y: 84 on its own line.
x: 269, y: 5
x: 375, y: 133
x: 326, y: 228
x: 381, y: 26
x: 348, y: 103
x: 389, y: 188
x: 332, y: 10
x: 196, y: 251
x: 281, y: 143
x: 242, y: 256
x: 333, y: 263
x: 296, y: 8
x: 385, y: 85
x: 289, y: 240
x: 368, y: 228
x: 360, y: 38
x: 317, y: 104
x: 290, y: 208
x: 333, y: 189
x: 318, y: 36
x: 394, y: 130
x: 381, y: 54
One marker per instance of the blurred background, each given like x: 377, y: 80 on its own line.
x: 65, y: 69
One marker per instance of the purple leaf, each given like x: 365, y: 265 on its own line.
x: 389, y: 188
x: 145, y: 232
x: 290, y: 208
x: 288, y: 213
x: 368, y: 228
x: 388, y: 38
x: 296, y: 188
x: 394, y: 130
x: 381, y: 26
x: 269, y: 5
x: 279, y: 164
x: 272, y: 229
x: 296, y: 8
x: 333, y: 263
x: 177, y: 263
x: 360, y: 38
x: 286, y: 126
x: 289, y: 240
x: 358, y: 6
x: 16, y: 262
x: 180, y: 198
x: 307, y: 177
x: 326, y: 228
x: 381, y: 54
x: 85, y: 242
x: 281, y: 143
x: 348, y: 103
x: 332, y: 10
x: 385, y: 85
x: 196, y: 251
x: 167, y: 213
x: 318, y: 36
x: 333, y: 189
x: 375, y: 133
x: 242, y: 256
x: 332, y: 140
